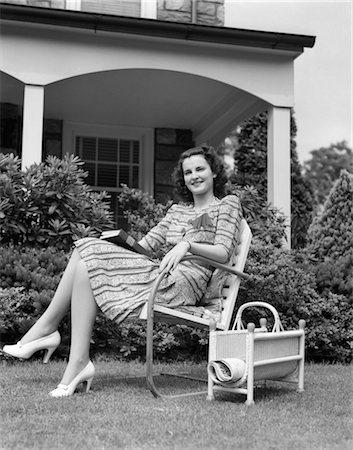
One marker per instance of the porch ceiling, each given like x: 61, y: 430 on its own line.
x: 146, y: 98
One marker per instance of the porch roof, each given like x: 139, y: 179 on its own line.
x: 157, y: 28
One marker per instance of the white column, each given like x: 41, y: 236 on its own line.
x: 32, y: 133
x: 278, y: 163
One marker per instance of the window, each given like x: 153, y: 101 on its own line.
x: 110, y: 162
x: 146, y: 9
x: 113, y: 156
x: 133, y: 8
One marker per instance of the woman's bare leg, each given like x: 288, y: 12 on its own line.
x: 59, y: 305
x: 83, y: 315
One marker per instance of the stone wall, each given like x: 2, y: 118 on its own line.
x: 204, y: 12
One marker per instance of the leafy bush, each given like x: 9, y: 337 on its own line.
x: 141, y: 210
x: 49, y: 204
x: 251, y: 162
x: 265, y: 221
x: 286, y: 280
x: 16, y: 312
x: 29, y: 276
x: 330, y: 239
x: 324, y: 168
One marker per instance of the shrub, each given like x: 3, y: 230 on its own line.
x: 141, y: 210
x: 286, y: 280
x: 331, y: 236
x: 251, y: 162
x: 265, y: 221
x: 16, y: 312
x: 49, y: 204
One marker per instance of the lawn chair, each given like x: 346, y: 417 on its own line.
x: 187, y: 316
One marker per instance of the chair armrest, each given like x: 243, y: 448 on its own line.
x: 216, y: 264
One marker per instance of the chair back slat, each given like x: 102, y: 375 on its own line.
x: 231, y: 287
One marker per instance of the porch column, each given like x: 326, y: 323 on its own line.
x: 278, y: 163
x: 32, y: 133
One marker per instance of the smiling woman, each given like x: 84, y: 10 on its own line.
x: 198, y: 178
x: 118, y: 281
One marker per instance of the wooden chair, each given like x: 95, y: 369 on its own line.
x: 152, y: 312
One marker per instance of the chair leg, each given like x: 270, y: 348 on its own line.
x: 149, y: 351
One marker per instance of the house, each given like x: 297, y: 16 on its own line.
x: 128, y: 85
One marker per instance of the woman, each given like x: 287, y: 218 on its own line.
x: 118, y: 281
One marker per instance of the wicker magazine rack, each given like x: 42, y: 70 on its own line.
x: 240, y: 357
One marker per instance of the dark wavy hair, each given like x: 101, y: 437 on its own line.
x: 216, y: 164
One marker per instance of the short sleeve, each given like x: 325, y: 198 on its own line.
x: 156, y: 237
x: 228, y: 223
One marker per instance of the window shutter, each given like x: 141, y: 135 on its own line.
x: 130, y: 8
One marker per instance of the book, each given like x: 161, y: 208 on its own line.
x: 123, y: 239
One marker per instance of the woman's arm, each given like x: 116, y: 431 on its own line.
x: 174, y: 256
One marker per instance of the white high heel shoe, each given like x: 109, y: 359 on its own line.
x: 24, y: 351
x: 85, y: 376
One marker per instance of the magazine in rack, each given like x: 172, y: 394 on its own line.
x: 123, y: 239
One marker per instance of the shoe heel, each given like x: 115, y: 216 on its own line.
x: 48, y: 353
x: 88, y: 384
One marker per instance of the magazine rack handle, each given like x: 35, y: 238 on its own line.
x: 238, y: 324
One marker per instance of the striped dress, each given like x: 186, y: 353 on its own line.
x: 121, y: 279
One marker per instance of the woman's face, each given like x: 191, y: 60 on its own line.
x: 198, y: 175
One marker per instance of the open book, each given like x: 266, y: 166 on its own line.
x: 123, y: 239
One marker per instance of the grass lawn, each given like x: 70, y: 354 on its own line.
x: 124, y: 414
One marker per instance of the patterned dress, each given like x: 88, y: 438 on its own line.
x: 121, y: 280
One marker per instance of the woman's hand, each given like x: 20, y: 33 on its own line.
x: 173, y: 257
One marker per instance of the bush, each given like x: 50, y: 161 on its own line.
x: 251, y: 163
x: 141, y: 210
x: 29, y: 276
x: 266, y: 222
x: 286, y: 280
x: 49, y: 204
x: 330, y: 239
x: 16, y: 313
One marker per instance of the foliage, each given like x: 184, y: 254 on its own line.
x: 141, y: 210
x: 302, y: 204
x: 324, y: 168
x: 16, y: 310
x: 331, y: 237
x: 28, y: 278
x: 266, y: 222
x: 49, y: 203
x: 251, y: 161
x: 286, y: 280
